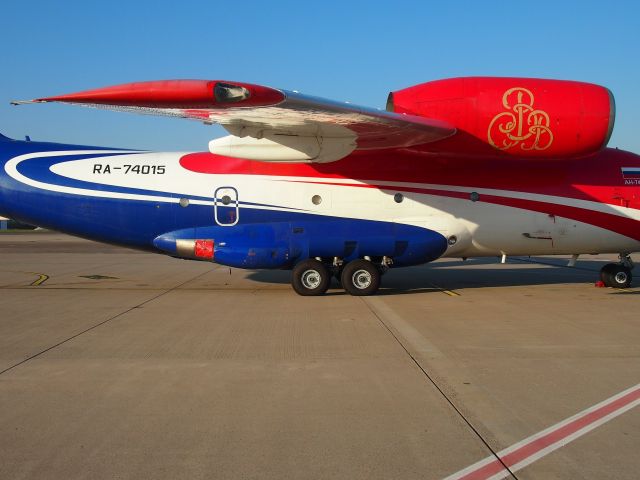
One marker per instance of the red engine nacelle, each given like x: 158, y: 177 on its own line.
x: 524, y: 117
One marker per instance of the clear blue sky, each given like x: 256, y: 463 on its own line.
x: 356, y: 51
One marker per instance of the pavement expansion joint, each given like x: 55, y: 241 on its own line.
x: 441, y: 391
x: 99, y: 324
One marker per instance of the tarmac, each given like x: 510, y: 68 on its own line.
x: 122, y: 364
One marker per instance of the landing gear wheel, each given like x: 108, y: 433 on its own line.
x: 616, y: 275
x: 310, y: 278
x: 360, y: 278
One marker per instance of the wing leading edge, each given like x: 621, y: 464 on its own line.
x: 266, y: 123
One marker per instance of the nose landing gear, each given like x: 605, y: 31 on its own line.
x: 618, y: 275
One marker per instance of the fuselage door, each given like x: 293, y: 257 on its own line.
x: 225, y: 206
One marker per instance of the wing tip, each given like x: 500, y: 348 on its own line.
x: 28, y: 102
x: 173, y: 94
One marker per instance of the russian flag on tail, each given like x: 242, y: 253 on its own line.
x: 630, y: 172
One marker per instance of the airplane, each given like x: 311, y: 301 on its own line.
x: 457, y: 168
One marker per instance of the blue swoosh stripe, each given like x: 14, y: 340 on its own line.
x: 39, y: 169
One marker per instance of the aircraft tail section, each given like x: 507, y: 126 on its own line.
x: 3, y: 138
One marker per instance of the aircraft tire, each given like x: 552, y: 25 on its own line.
x: 360, y: 278
x: 604, y: 273
x: 615, y: 275
x: 310, y: 278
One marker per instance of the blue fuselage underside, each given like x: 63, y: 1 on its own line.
x: 138, y: 223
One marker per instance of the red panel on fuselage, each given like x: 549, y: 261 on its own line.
x: 595, y: 178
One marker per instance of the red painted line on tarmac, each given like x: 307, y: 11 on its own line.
x: 537, y: 446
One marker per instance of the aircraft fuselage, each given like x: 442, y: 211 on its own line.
x: 405, y: 205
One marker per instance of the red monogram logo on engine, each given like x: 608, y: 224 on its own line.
x: 520, y: 124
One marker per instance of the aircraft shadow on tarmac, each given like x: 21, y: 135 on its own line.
x: 473, y: 273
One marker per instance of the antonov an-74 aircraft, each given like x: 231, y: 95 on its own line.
x: 463, y: 167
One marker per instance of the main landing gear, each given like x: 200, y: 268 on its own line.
x: 310, y: 278
x: 617, y: 275
x: 360, y: 277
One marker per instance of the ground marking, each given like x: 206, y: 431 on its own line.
x: 36, y: 283
x: 451, y: 293
x: 540, y: 444
x: 41, y: 279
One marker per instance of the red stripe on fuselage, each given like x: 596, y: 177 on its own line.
x: 609, y: 221
x: 578, y: 179
x: 596, y: 178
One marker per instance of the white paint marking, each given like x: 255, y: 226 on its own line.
x: 537, y: 446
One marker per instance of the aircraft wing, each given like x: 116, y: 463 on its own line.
x: 266, y: 123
